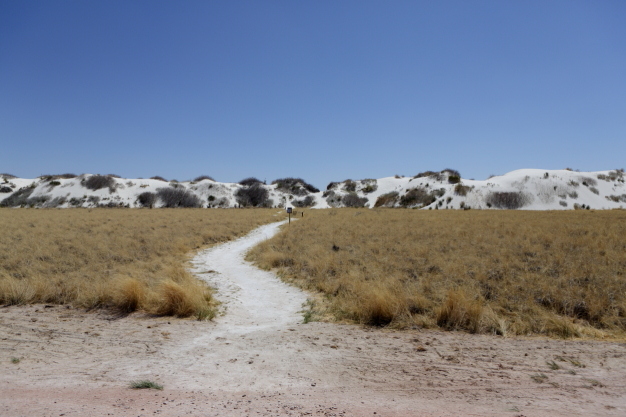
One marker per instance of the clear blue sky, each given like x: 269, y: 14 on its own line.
x: 324, y: 90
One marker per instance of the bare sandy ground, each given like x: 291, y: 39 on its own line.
x: 259, y: 359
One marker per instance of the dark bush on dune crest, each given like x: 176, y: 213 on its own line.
x: 147, y: 199
x: 158, y: 178
x: 454, y: 179
x: 4, y: 189
x: 331, y: 185
x: 435, y: 175
x: 247, y: 182
x: 57, y: 177
x: 203, y: 177
x: 451, y: 172
x: 507, y: 200
x: 178, y: 197
x: 97, y: 182
x: 254, y: 195
x: 295, y: 186
x: 349, y: 186
x: 369, y: 185
x: 7, y: 176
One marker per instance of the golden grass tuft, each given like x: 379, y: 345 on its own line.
x: 458, y: 312
x: 561, y: 274
x: 129, y: 295
x: 176, y: 300
x: 126, y: 260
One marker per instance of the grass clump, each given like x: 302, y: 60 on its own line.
x: 145, y: 384
x: 15, y: 361
x: 559, y: 274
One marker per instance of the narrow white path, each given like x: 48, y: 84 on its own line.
x: 252, y: 299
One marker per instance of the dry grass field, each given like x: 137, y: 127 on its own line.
x: 114, y: 258
x: 560, y: 274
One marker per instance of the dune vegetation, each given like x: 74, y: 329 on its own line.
x: 120, y: 259
x: 561, y: 274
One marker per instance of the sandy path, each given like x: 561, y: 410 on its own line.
x: 252, y: 299
x: 258, y: 359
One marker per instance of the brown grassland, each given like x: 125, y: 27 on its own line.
x: 114, y: 258
x: 561, y: 274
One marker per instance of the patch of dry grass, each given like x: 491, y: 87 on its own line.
x: 123, y: 259
x: 561, y: 274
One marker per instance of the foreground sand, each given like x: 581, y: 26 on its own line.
x: 258, y: 359
x: 75, y: 363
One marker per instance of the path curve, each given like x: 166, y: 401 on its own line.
x: 252, y: 299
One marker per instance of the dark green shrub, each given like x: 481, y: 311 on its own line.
x: 454, y: 179
x: 18, y: 198
x: 369, y: 186
x: 451, y: 172
x: 147, y: 199
x: 202, y: 178
x: 158, y: 178
x: 247, y: 182
x: 428, y: 174
x: 387, y: 200
x: 178, y: 197
x: 589, y: 182
x: 93, y: 199
x: 349, y: 186
x: 55, y: 202
x: 507, y: 200
x: 254, y: 195
x: 37, y: 201
x: 307, y: 201
x: 418, y: 196
x: 97, y: 182
x: 6, y: 189
x: 56, y: 177
x: 333, y: 199
x: 295, y: 186
x: 353, y: 200
x: 461, y: 189
x: 331, y: 185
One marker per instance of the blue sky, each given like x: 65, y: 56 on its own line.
x: 323, y: 90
